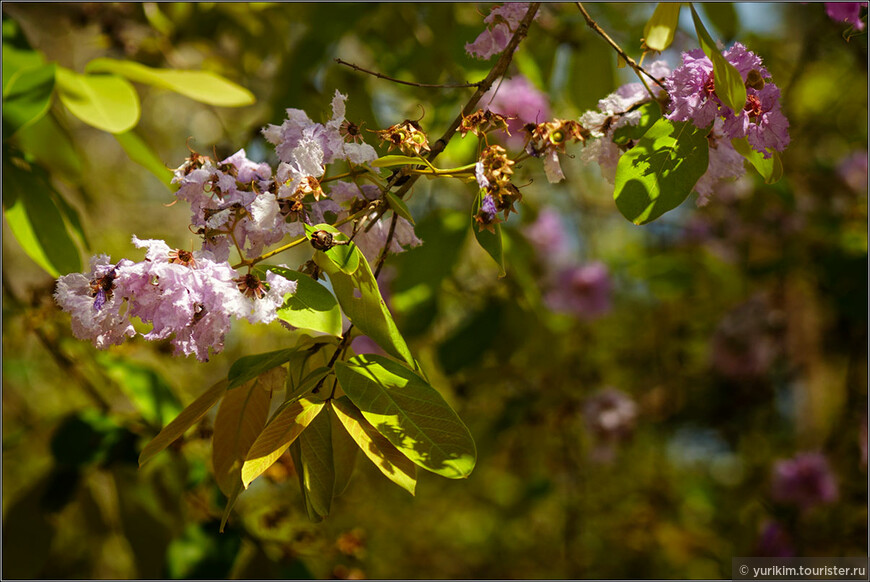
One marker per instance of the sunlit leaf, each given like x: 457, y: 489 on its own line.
x: 285, y: 426
x: 388, y: 459
x: 361, y: 301
x: 660, y: 171
x: 728, y: 82
x: 394, y: 160
x: 769, y: 168
x: 188, y: 417
x: 203, y: 86
x: 411, y: 414
x: 344, y: 256
x: 658, y: 34
x: 649, y: 113
x: 139, y: 152
x: 107, y: 102
x: 312, y: 306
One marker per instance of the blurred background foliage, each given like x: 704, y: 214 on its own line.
x: 655, y: 434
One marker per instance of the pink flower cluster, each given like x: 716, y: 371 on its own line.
x: 188, y: 296
x: 692, y: 92
x: 192, y: 297
x: 620, y: 109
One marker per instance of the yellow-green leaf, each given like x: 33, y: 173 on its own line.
x: 659, y: 31
x: 388, y: 459
x: 188, y: 417
x: 361, y: 301
x: 286, y: 425
x: 726, y: 78
x: 410, y: 413
x: 203, y: 86
x: 769, y: 168
x: 107, y: 102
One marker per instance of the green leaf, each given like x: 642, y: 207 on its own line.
x: 368, y: 312
x: 27, y: 98
x: 344, y: 453
x: 105, y: 101
x: 286, y: 425
x: 203, y: 86
x: 188, y: 417
x: 399, y: 207
x: 489, y: 241
x: 318, y: 470
x: 411, y: 414
x: 388, y: 459
x: 660, y: 171
x: 239, y: 421
x: 231, y: 502
x: 345, y: 257
x: 17, y: 59
x: 139, y: 152
x: 296, y: 454
x: 649, y: 113
x: 35, y: 220
x: 728, y: 82
x: 249, y: 367
x: 769, y: 168
x: 311, y: 307
x: 659, y: 31
x: 389, y: 161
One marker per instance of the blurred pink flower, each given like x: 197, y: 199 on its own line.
x: 805, y: 480
x: 519, y: 100
x: 846, y: 12
x: 853, y: 170
x: 581, y: 290
x: 774, y: 541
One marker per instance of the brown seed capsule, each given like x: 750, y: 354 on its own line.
x: 322, y: 240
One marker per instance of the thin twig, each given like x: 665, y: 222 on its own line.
x: 631, y: 62
x: 411, y: 83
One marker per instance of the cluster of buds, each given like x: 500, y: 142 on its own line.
x: 482, y: 121
x: 553, y: 136
x: 407, y: 136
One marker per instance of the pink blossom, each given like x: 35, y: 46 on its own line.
x: 805, y: 480
x: 846, y: 12
x: 518, y: 100
x: 581, y: 290
x: 96, y: 300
